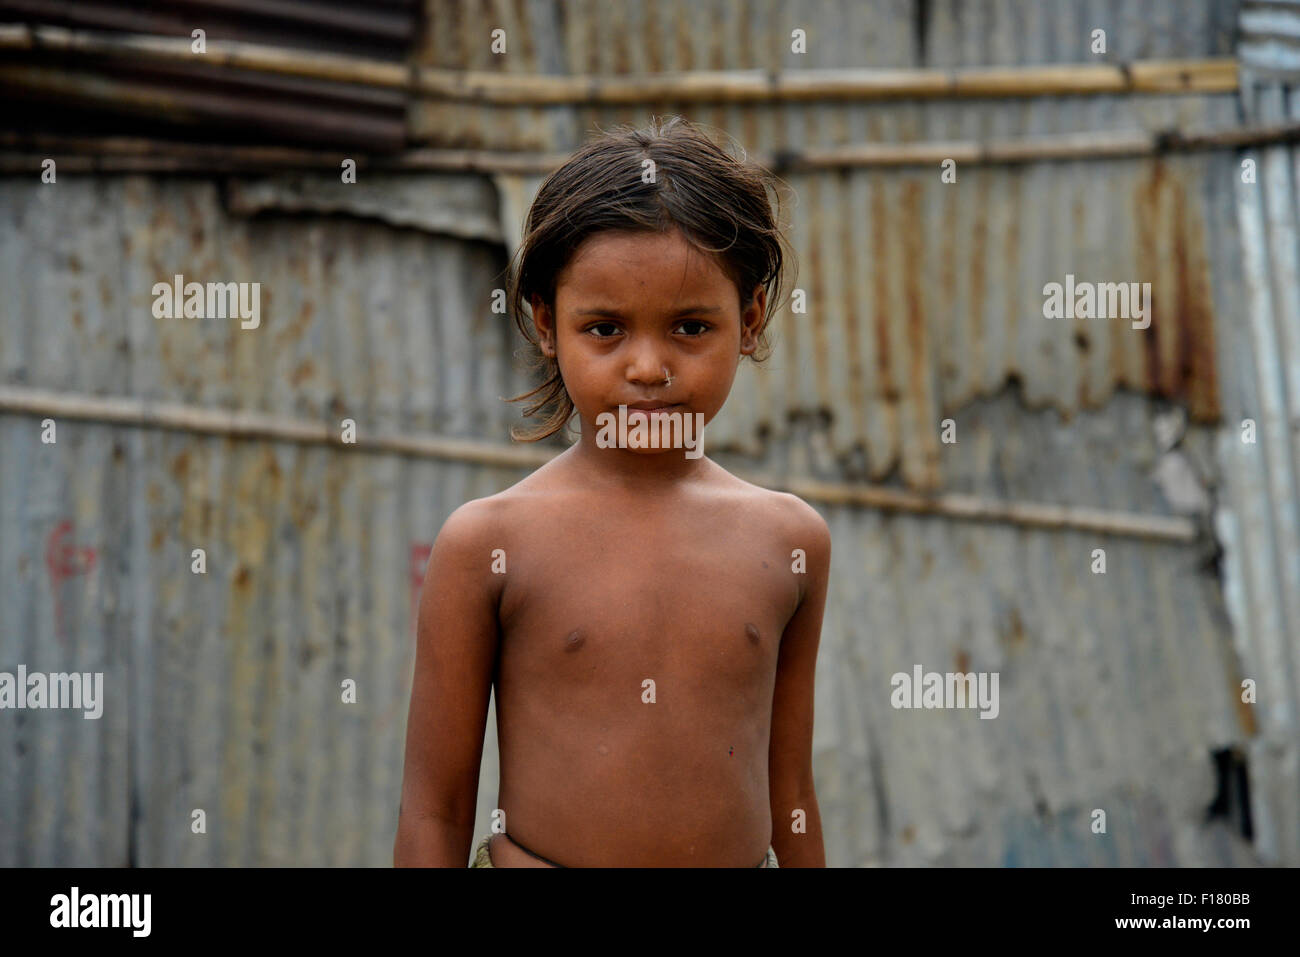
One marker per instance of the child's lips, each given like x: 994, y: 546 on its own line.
x: 653, y: 408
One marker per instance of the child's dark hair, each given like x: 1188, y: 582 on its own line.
x: 719, y: 202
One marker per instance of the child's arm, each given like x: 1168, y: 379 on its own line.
x: 456, y: 647
x: 790, y: 779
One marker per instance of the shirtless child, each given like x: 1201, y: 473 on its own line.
x: 650, y: 621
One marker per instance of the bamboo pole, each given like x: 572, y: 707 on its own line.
x: 256, y: 57
x: 1038, y: 515
x: 1209, y: 75
x: 232, y: 423
x: 141, y: 413
x: 187, y: 105
x: 24, y: 153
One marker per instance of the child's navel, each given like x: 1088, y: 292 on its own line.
x: 575, y: 640
x: 751, y: 633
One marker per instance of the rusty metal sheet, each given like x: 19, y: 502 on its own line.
x: 925, y: 301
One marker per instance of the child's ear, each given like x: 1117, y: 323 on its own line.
x: 544, y: 323
x: 751, y: 321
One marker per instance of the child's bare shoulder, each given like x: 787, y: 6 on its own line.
x: 488, y: 519
x: 786, y: 512
x: 476, y: 525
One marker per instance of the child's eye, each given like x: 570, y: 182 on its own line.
x: 591, y: 330
x: 703, y: 327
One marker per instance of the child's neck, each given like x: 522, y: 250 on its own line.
x: 636, y: 471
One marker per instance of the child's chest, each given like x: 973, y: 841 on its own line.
x: 702, y: 601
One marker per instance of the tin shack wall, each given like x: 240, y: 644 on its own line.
x: 223, y: 690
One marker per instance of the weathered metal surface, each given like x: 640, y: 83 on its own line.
x: 449, y: 205
x: 653, y: 36
x: 923, y: 295
x: 225, y: 682
x: 87, y: 92
x: 882, y: 351
x: 631, y: 37
x: 1114, y: 688
x: 314, y: 555
x: 924, y: 301
x: 1258, y: 518
x: 183, y: 100
x: 232, y: 679
x: 382, y: 27
x: 1269, y: 42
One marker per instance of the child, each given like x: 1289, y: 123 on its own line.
x: 650, y: 621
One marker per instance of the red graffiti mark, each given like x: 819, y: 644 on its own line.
x: 419, y: 560
x: 420, y: 552
x: 64, y: 560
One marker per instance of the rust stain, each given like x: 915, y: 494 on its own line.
x: 304, y: 510
x: 1245, y: 710
x: 1197, y: 362
x: 293, y: 330
x: 1150, y: 338
x: 1015, y: 633
x: 525, y: 60
x: 273, y: 472
x: 654, y: 55
x: 1171, y: 333
x: 948, y: 280
x: 619, y: 65
x: 682, y: 30
x: 1011, y: 261
x: 303, y: 371
x: 1182, y: 373
x: 817, y: 315
x: 880, y: 243
x: 1147, y: 215
x: 978, y: 263
x: 857, y: 393
x: 920, y: 388
x: 1178, y: 348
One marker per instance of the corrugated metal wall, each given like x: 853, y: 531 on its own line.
x: 229, y: 682
x: 924, y: 302
x: 1259, y: 516
x: 905, y: 326
x: 133, y: 96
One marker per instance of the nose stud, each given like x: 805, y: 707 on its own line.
x: 668, y: 380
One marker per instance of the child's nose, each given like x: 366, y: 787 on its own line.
x: 646, y: 367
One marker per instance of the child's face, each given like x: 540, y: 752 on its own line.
x: 631, y: 309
